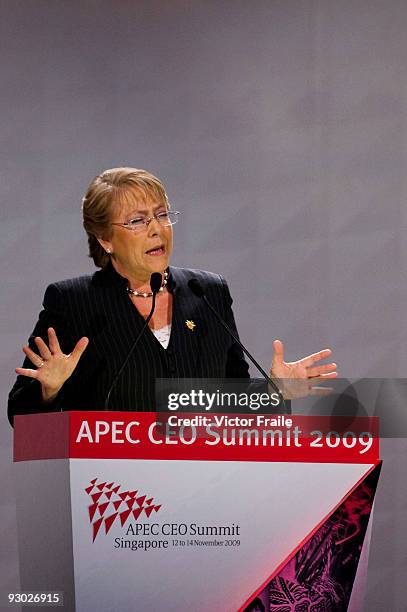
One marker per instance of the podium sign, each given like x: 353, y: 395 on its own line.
x: 122, y: 514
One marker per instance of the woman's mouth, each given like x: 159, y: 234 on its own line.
x: 156, y: 251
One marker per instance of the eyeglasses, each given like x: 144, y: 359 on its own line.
x: 139, y: 224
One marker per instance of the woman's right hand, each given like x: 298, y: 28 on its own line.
x: 53, y: 366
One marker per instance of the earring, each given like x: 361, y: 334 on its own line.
x: 108, y: 251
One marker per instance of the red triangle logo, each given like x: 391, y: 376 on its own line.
x: 132, y: 493
x: 137, y: 512
x: 96, y: 496
x: 156, y: 508
x: 123, y: 516
x: 109, y: 494
x: 102, y: 508
x: 116, y: 489
x: 140, y: 500
x: 109, y: 486
x: 148, y: 502
x: 100, y: 486
x: 109, y: 522
x: 92, y: 510
x: 116, y: 504
x: 123, y: 495
x: 149, y: 510
x: 93, y: 481
x: 89, y: 489
x: 96, y: 527
x: 129, y: 503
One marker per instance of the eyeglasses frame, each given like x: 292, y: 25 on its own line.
x: 147, y: 221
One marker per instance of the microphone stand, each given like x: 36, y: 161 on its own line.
x: 155, y: 284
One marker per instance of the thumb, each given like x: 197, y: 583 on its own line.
x: 278, y: 356
x: 79, y: 348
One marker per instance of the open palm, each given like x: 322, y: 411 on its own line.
x: 298, y: 378
x: 53, y: 367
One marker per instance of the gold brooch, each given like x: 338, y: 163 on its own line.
x: 190, y: 324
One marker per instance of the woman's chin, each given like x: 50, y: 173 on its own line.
x: 157, y: 264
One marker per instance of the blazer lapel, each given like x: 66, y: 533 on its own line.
x: 117, y: 322
x: 187, y: 329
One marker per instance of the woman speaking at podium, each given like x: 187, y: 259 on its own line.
x: 91, y: 348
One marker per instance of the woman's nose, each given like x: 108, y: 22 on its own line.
x: 153, y: 226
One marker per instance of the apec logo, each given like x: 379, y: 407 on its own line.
x: 110, y: 504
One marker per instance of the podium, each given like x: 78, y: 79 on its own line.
x: 120, y: 513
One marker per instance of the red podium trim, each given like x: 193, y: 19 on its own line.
x: 133, y: 435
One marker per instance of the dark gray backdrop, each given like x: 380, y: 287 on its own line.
x: 279, y: 129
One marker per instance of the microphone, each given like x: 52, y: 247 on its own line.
x: 199, y: 291
x: 156, y: 281
x: 155, y: 285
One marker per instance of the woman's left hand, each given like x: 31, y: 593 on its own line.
x: 303, y: 368
x: 304, y: 373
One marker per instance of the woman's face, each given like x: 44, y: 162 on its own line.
x: 137, y: 254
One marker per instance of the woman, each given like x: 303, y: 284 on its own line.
x: 89, y: 324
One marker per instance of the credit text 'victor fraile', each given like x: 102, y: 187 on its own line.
x: 117, y: 432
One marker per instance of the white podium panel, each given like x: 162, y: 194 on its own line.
x: 157, y: 534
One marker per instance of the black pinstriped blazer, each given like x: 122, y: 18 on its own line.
x: 97, y: 306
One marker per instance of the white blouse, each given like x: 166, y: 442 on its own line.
x: 163, y: 335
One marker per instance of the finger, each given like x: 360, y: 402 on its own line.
x: 79, y: 349
x: 27, y: 372
x: 322, y: 377
x: 42, y: 347
x: 53, y: 341
x: 278, y: 356
x: 311, y: 359
x: 322, y: 369
x: 33, y: 357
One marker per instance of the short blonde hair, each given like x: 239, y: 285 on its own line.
x: 107, y: 190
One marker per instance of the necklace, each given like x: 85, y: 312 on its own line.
x: 148, y: 294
